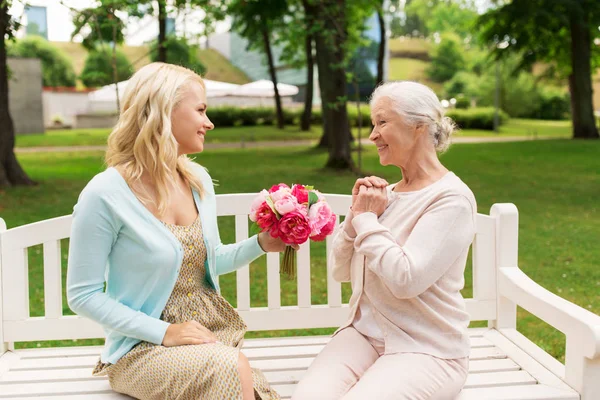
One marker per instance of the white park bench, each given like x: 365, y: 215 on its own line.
x: 504, y: 364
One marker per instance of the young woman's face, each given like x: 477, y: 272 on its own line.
x: 189, y: 122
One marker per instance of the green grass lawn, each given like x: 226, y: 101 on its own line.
x: 555, y: 184
x: 91, y: 137
x: 410, y: 69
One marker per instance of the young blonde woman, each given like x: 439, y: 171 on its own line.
x: 146, y: 228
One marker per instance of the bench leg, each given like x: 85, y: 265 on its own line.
x: 582, y: 373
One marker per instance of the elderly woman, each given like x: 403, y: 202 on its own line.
x: 404, y: 247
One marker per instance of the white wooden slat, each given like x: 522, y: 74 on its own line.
x: 272, y: 353
x: 56, y: 388
x: 37, y: 233
x: 510, y: 378
x: 528, y: 363
x: 242, y: 274
x: 273, y: 281
x: 15, y: 284
x: 52, y: 279
x: 234, y: 204
x: 49, y: 375
x: 519, y: 392
x: 277, y: 358
x: 57, y: 352
x: 491, y: 366
x: 303, y: 271
x: 488, y: 369
x: 481, y: 310
x: 334, y: 289
x: 8, y: 361
x: 293, y: 317
x: 484, y: 259
x: 286, y: 341
x: 63, y: 328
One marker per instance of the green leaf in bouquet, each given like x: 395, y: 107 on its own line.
x: 312, y: 199
x: 254, y: 229
x: 272, y: 205
x: 309, y: 187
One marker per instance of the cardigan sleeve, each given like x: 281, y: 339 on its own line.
x: 94, y: 230
x: 439, y: 237
x: 228, y: 257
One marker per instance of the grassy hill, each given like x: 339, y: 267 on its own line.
x: 218, y: 67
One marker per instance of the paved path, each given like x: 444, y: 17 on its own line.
x: 281, y: 143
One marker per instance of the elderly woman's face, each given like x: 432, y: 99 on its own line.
x: 394, y: 138
x: 189, y: 122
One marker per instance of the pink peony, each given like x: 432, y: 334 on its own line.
x: 275, y: 188
x: 257, y: 203
x: 301, y: 193
x: 319, y: 215
x: 294, y: 228
x: 286, y: 204
x: 280, y: 194
x: 266, y: 218
x: 326, y: 230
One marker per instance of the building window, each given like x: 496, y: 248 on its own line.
x: 37, y: 21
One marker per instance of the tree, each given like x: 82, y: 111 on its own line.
x: 558, y: 32
x: 330, y: 20
x: 255, y: 20
x: 382, y: 44
x: 11, y: 173
x: 181, y: 53
x: 57, y: 69
x: 447, y: 59
x: 98, y: 68
x: 456, y: 16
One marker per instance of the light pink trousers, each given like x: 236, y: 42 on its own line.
x: 353, y: 367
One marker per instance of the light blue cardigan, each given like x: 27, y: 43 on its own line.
x: 115, y: 239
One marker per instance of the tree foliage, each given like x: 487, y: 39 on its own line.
x: 57, y: 69
x: 98, y: 68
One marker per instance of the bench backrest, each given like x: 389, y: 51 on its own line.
x: 17, y: 325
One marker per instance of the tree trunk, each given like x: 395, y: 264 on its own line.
x: 381, y: 54
x: 580, y: 80
x: 329, y: 43
x: 307, y: 114
x: 11, y: 173
x: 162, y: 31
x: 267, y: 43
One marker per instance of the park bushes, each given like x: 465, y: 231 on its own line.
x: 474, y: 118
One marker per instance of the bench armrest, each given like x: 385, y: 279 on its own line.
x: 563, y: 315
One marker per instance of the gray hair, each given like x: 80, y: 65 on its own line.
x: 420, y: 106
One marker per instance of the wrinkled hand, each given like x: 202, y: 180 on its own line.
x: 272, y: 245
x: 368, y: 181
x: 370, y: 199
x: 190, y: 332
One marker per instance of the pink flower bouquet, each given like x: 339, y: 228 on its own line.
x: 294, y: 215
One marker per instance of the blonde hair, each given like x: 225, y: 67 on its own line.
x: 142, y: 140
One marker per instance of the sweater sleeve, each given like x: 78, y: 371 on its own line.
x: 440, y: 236
x: 228, y: 257
x: 343, y: 249
x: 93, y: 233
